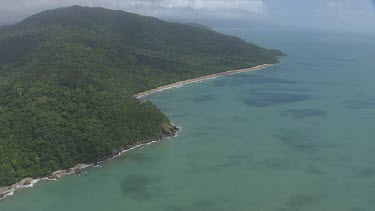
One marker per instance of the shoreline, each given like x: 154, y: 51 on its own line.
x: 199, y: 79
x: 77, y: 170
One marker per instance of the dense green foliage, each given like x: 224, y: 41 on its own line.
x: 68, y: 76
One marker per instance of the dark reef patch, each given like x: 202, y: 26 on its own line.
x: 300, y: 201
x: 139, y: 158
x: 199, y: 133
x: 231, y: 161
x: 360, y: 104
x: 315, y: 170
x: 357, y: 209
x: 203, y: 98
x: 297, y: 141
x: 199, y: 205
x: 303, y: 113
x: 307, y: 64
x: 301, y: 141
x: 239, y: 118
x: 366, y: 173
x: 264, y: 99
x: 237, y: 157
x: 224, y: 165
x: 342, y: 60
x: 197, y: 167
x: 281, y: 88
x: 276, y: 164
x: 141, y: 187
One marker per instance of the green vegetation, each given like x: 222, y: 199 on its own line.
x: 68, y: 76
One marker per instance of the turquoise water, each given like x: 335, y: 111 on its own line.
x: 298, y: 136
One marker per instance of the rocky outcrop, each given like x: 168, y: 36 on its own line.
x: 24, y: 182
x: 57, y: 175
x: 169, y: 130
x: 4, y: 191
x: 9, y: 189
x: 75, y: 170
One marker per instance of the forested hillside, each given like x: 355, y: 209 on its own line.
x: 68, y: 76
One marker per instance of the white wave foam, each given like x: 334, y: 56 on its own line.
x: 10, y: 193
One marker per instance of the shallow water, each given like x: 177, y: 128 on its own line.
x: 298, y: 136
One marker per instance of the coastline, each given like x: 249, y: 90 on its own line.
x: 77, y: 170
x: 199, y: 79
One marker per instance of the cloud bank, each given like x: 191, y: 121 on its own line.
x: 333, y: 15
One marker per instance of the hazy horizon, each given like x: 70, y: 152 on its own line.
x: 317, y: 15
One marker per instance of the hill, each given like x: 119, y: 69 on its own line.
x: 68, y: 76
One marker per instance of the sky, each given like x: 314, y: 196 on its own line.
x: 327, y: 15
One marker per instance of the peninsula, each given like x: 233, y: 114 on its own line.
x: 68, y: 78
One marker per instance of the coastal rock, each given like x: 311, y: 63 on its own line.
x: 57, y: 175
x: 9, y: 189
x: 115, y: 152
x: 169, y: 130
x: 4, y: 191
x: 26, y: 181
x: 77, y: 169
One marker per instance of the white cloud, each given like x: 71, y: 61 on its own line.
x: 330, y: 15
x: 255, y: 6
x: 15, y: 9
x: 355, y: 15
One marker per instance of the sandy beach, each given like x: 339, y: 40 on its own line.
x: 181, y: 83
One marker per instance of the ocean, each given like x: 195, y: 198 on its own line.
x: 297, y: 136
